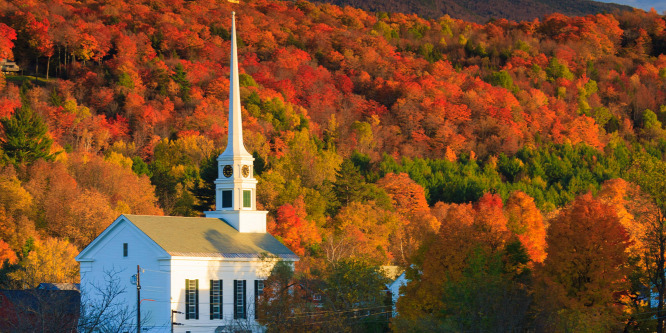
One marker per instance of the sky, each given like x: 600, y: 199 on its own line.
x: 659, y: 5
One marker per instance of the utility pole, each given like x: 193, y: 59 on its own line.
x: 138, y: 299
x: 172, y: 323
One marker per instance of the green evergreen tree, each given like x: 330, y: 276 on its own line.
x: 204, y: 186
x: 349, y: 183
x: 350, y: 186
x: 180, y: 77
x: 25, y: 137
x: 501, y: 79
x: 140, y: 167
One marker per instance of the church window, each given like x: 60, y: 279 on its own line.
x: 239, y: 299
x: 215, y: 299
x: 247, y: 198
x: 227, y: 199
x: 192, y: 299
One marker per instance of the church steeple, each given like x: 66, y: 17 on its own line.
x: 235, y: 145
x: 235, y: 186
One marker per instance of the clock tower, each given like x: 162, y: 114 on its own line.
x: 235, y: 186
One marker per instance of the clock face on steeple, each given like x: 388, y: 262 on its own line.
x: 245, y: 171
x: 228, y: 171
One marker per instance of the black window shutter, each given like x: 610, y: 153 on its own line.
x: 187, y: 299
x: 221, y: 299
x: 244, y: 300
x: 256, y: 297
x: 211, y: 299
x: 196, y: 294
x: 235, y: 299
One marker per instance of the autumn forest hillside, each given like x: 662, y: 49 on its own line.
x: 469, y: 154
x: 484, y: 11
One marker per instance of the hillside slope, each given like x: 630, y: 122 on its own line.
x: 482, y: 11
x: 369, y: 131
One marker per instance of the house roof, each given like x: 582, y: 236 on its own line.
x: 33, y: 300
x: 392, y: 272
x: 59, y: 286
x: 207, y: 237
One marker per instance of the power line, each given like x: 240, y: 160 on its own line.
x: 316, y: 313
x: 156, y: 271
x: 337, y: 319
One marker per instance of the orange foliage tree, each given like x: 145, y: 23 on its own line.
x: 408, y: 198
x: 472, y: 263
x: 7, y: 35
x: 445, y: 257
x: 7, y: 255
x: 585, y: 270
x: 525, y: 221
x: 80, y: 201
x: 293, y: 229
x: 632, y: 207
x: 490, y: 219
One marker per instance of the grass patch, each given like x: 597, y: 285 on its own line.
x: 20, y: 79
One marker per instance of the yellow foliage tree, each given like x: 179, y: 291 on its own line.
x: 51, y: 260
x: 15, y: 205
x: 366, y: 230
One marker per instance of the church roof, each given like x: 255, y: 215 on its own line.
x: 206, y: 237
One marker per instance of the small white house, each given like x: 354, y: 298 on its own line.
x: 394, y: 289
x: 196, y: 274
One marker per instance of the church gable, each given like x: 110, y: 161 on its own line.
x: 120, y: 238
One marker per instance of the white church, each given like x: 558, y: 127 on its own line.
x: 196, y: 274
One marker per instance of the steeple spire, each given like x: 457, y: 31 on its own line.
x: 235, y: 186
x: 235, y: 145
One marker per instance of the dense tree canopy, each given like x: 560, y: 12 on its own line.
x: 448, y: 148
